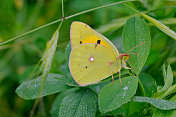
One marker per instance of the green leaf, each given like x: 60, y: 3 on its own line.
x: 173, y: 99
x: 164, y: 113
x: 156, y: 23
x: 59, y: 57
x: 67, y: 52
x: 65, y: 68
x: 97, y: 87
x: 118, y: 111
x: 31, y: 89
x: 158, y: 103
x: 133, y: 107
x: 148, y: 84
x: 164, y: 73
x: 112, y: 97
x: 169, y: 91
x: 159, y: 25
x: 81, y: 103
x: 168, y: 88
x: 168, y: 78
x: 55, y: 107
x: 68, y: 77
x: 136, y: 32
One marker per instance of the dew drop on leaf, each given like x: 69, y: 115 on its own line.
x: 125, y: 88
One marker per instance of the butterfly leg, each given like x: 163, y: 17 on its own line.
x: 120, y: 79
x: 130, y: 69
x: 112, y: 78
x: 130, y: 64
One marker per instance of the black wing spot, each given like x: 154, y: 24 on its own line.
x: 86, y: 67
x: 98, y: 41
x: 80, y: 42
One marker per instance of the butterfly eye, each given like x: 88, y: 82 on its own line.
x: 80, y: 42
x: 125, y: 58
x: 98, y: 41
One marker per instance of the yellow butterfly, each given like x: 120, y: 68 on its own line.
x: 93, y: 57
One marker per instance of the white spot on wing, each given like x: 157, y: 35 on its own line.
x: 91, y: 58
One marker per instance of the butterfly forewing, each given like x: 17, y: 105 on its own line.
x: 91, y: 63
x: 81, y: 33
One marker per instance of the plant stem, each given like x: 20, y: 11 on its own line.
x: 80, y: 13
x: 142, y: 88
x: 63, y: 8
x: 97, y: 8
x: 132, y: 8
x: 31, y: 31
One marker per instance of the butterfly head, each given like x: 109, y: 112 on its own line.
x: 124, y: 58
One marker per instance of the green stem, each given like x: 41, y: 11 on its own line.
x: 31, y: 31
x: 97, y: 8
x: 80, y: 13
x: 62, y: 8
x: 142, y: 88
x: 132, y: 8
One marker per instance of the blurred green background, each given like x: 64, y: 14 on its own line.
x: 17, y: 59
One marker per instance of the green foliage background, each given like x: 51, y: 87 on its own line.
x: 18, y: 59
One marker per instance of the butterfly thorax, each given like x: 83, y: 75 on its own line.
x: 120, y: 62
x: 124, y: 58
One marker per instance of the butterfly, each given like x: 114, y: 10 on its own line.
x: 93, y: 57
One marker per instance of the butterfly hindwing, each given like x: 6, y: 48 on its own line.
x: 90, y: 64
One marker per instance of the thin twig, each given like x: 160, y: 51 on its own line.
x: 62, y: 8
x: 56, y: 21
x: 31, y: 31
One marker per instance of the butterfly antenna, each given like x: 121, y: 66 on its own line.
x: 135, y: 47
x: 134, y: 53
